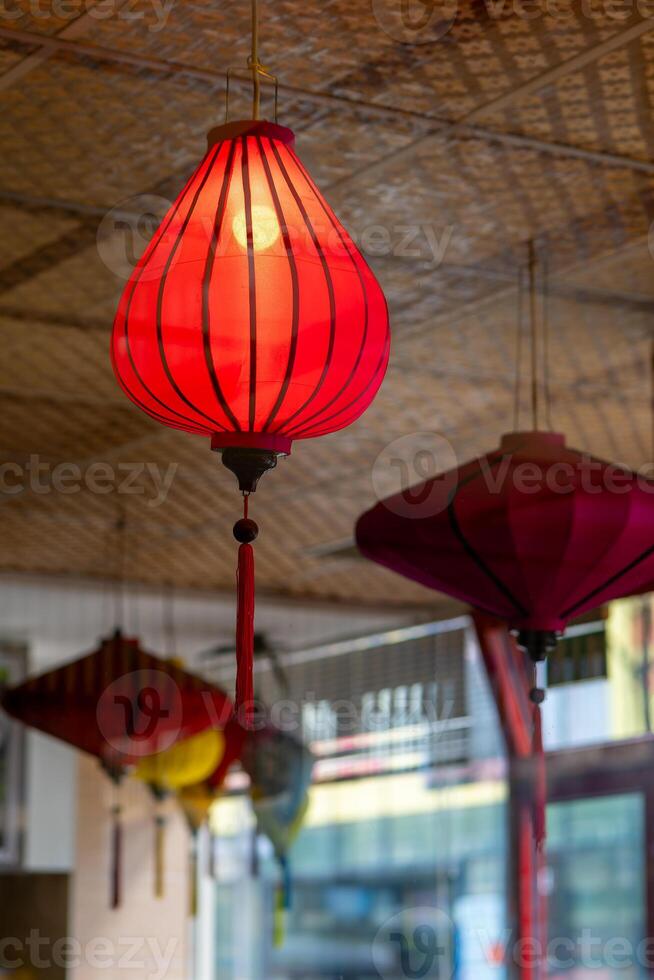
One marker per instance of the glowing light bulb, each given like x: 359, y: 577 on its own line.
x: 265, y: 228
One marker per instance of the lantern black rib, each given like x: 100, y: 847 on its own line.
x: 382, y: 357
x: 290, y: 363
x: 385, y: 350
x: 328, y: 418
x: 478, y: 560
x: 609, y: 581
x: 160, y: 418
x: 252, y: 285
x: 162, y: 286
x: 295, y: 429
x: 206, y: 284
x: 330, y: 289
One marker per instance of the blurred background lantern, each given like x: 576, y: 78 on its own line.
x: 534, y: 533
x: 121, y: 705
x: 185, y: 763
x: 280, y: 769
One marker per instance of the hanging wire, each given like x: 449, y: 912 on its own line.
x: 135, y: 604
x: 518, y: 352
x: 533, y: 328
x: 170, y: 635
x: 545, y: 266
x: 254, y: 62
x: 256, y: 69
x: 537, y: 273
x: 108, y: 584
x: 119, y: 570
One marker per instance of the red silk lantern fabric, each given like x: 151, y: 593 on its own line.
x: 119, y: 703
x: 252, y: 317
x: 533, y: 533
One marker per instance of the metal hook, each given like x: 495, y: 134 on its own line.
x: 260, y: 70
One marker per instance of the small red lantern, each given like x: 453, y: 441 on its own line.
x: 253, y: 319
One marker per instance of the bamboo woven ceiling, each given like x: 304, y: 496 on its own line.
x: 445, y: 138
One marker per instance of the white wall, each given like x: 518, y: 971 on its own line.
x: 51, y: 804
x: 146, y: 938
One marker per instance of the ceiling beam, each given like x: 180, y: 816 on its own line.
x: 45, y: 257
x: 73, y: 30
x: 568, y: 67
x: 68, y: 321
x: 461, y: 128
x: 466, y: 124
x: 39, y: 205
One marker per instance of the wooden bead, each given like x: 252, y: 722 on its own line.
x: 245, y: 530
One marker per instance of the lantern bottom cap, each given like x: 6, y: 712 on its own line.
x: 537, y: 643
x: 250, y: 454
x: 249, y: 465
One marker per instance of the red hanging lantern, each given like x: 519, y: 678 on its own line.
x: 253, y: 319
x: 533, y: 533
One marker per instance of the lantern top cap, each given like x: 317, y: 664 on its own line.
x: 531, y: 440
x: 250, y: 127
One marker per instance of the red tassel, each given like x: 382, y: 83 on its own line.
x: 540, y: 796
x: 116, y: 858
x: 245, y: 635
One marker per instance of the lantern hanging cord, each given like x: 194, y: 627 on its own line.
x: 518, y: 353
x: 253, y: 62
x: 531, y: 266
x: 120, y: 571
x: 546, y: 341
x: 169, y: 621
